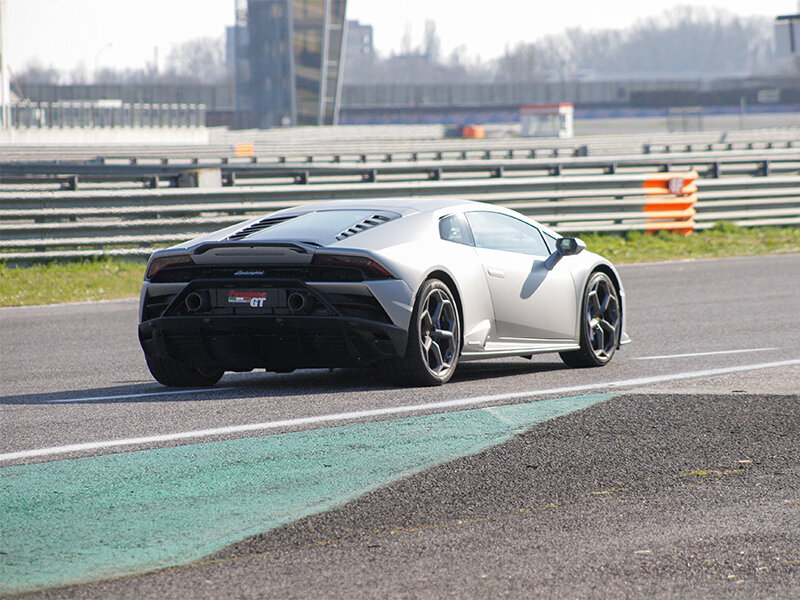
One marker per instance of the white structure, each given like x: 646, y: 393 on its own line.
x: 104, y: 122
x: 547, y: 120
x: 787, y: 36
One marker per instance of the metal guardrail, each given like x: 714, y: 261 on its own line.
x: 713, y: 164
x: 36, y: 226
x: 661, y: 148
x: 217, y: 153
x: 153, y: 172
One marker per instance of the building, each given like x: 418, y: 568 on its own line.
x: 359, y: 41
x: 288, y: 62
x: 359, y: 55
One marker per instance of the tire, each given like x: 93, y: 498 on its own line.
x: 434, y: 339
x: 172, y: 373
x: 600, y: 324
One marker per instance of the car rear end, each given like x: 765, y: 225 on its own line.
x: 238, y: 302
x: 273, y: 315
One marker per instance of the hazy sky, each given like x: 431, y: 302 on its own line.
x: 99, y: 33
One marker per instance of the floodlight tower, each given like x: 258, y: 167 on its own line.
x: 5, y: 86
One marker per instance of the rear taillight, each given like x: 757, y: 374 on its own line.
x: 156, y: 264
x: 369, y: 267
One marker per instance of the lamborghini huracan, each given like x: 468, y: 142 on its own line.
x: 412, y: 286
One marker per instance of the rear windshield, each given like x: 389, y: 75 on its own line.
x: 320, y: 224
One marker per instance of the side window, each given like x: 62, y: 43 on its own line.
x: 454, y: 228
x: 501, y: 232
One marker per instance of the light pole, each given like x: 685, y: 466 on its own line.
x: 5, y: 85
x: 97, y: 58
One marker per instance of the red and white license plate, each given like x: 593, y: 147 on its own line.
x: 252, y: 299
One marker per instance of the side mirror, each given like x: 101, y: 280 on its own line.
x: 565, y: 246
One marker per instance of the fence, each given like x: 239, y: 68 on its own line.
x: 436, y: 165
x: 36, y: 226
x: 105, y: 114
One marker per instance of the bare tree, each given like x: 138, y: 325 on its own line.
x: 521, y: 63
x: 406, y: 41
x: 200, y: 60
x: 681, y: 42
x: 78, y: 74
x: 36, y: 72
x: 433, y: 44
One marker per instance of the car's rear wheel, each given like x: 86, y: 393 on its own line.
x: 600, y: 324
x: 172, y: 373
x: 434, y: 339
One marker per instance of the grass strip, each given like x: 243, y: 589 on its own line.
x: 73, y: 281
x: 722, y: 240
x: 108, y: 278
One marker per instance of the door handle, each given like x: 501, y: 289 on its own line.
x: 494, y: 272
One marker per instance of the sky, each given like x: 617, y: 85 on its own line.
x: 120, y: 34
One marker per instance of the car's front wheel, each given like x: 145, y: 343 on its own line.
x: 172, y: 373
x: 434, y: 339
x: 600, y: 324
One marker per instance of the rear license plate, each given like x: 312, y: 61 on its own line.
x: 250, y: 299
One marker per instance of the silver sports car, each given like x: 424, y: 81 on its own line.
x: 412, y: 286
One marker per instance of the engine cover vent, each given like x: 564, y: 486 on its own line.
x: 257, y: 226
x: 368, y: 223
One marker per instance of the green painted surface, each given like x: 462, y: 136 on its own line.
x: 93, y: 518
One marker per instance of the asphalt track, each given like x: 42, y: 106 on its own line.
x: 672, y: 472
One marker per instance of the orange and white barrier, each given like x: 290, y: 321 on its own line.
x: 475, y: 132
x: 243, y: 149
x: 670, y: 202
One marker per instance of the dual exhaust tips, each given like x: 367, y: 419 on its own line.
x: 297, y: 302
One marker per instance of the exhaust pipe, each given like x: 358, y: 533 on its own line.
x: 196, y: 302
x: 297, y: 302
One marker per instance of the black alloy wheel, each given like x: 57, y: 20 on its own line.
x: 600, y: 324
x: 434, y: 339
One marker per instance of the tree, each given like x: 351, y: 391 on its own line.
x: 36, y: 73
x: 433, y: 45
x: 681, y: 42
x: 200, y: 60
x: 406, y: 42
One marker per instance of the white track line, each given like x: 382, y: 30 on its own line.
x: 381, y: 412
x: 145, y: 395
x: 692, y: 354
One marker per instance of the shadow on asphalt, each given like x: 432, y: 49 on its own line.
x: 493, y: 370
x: 260, y: 384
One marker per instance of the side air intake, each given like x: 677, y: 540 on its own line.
x: 369, y: 223
x: 257, y: 226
